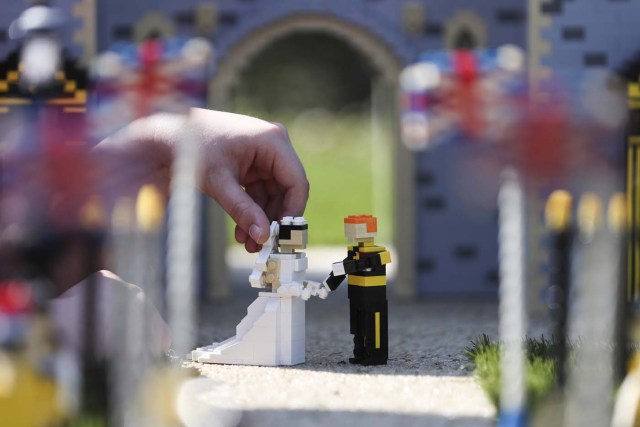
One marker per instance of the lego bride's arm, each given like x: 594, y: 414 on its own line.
x: 257, y: 275
x: 314, y: 289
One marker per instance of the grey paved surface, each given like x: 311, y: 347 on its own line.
x: 427, y: 382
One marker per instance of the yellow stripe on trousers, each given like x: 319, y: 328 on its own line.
x: 377, y: 329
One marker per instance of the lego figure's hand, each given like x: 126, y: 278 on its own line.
x: 293, y: 289
x: 310, y: 289
x: 259, y: 275
x: 267, y: 247
x: 323, y: 292
x: 332, y: 281
x: 320, y: 290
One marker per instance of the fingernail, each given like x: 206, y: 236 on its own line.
x: 255, y: 232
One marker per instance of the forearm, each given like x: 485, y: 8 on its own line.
x: 334, y: 281
x: 154, y: 135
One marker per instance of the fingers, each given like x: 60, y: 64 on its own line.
x: 246, y: 152
x: 258, y: 193
x: 243, y: 238
x: 252, y: 247
x: 240, y: 235
x: 289, y: 174
x: 293, y: 180
x: 273, y: 205
x: 244, y: 211
x: 295, y: 199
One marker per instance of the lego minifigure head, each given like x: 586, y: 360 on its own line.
x: 360, y: 228
x: 293, y: 233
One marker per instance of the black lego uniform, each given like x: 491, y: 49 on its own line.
x: 365, y: 266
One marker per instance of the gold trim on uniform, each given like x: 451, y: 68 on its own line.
x: 367, y: 280
x: 371, y: 249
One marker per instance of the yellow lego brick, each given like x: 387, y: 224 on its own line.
x: 59, y: 75
x: 377, y: 316
x: 636, y: 219
x: 617, y: 211
x: 14, y: 101
x: 367, y: 281
x: 633, y: 90
x: 30, y: 386
x: 4, y: 86
x: 385, y: 257
x: 69, y: 86
x: 371, y: 249
x: 74, y: 110
x: 12, y: 76
x: 79, y: 98
x: 629, y: 180
x: 634, y: 139
x: 558, y: 210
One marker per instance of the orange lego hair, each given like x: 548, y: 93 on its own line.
x: 370, y: 220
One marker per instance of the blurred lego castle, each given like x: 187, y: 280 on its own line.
x: 455, y: 252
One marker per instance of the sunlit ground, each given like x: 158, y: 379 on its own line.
x: 428, y: 380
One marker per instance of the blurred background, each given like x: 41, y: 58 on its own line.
x: 321, y: 88
x: 495, y: 141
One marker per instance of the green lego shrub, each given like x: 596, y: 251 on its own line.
x: 484, y: 354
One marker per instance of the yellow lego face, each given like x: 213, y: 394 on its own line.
x: 357, y: 232
x: 294, y: 239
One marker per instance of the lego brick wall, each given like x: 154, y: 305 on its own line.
x: 589, y: 35
x: 457, y: 249
x: 581, y: 40
x: 236, y: 19
x: 504, y: 21
x: 456, y: 185
x: 464, y: 256
x: 407, y: 27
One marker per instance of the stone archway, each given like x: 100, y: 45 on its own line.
x: 229, y: 69
x: 385, y: 62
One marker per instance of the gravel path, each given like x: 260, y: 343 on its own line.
x: 426, y: 382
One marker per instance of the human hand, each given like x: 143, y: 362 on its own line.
x: 251, y: 169
x: 247, y: 165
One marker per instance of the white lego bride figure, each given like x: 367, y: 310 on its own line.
x: 273, y: 331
